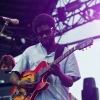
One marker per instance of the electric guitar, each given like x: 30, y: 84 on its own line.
x: 41, y: 74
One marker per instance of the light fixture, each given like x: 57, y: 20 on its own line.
x: 70, y: 7
x: 23, y: 40
x: 96, y: 9
x: 61, y: 14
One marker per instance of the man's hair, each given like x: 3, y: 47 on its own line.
x: 43, y: 19
x: 8, y: 60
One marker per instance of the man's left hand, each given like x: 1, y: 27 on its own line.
x: 55, y: 70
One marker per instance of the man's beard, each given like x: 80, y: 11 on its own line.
x: 48, y: 42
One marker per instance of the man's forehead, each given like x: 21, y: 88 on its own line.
x: 42, y: 28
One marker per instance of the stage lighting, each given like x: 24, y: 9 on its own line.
x: 96, y: 9
x: 61, y: 14
x: 23, y: 40
x: 70, y: 7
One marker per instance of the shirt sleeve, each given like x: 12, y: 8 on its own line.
x: 71, y: 67
x: 22, y: 64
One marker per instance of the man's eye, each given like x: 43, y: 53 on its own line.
x: 45, y: 32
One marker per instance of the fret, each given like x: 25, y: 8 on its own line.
x: 64, y: 55
x: 41, y: 72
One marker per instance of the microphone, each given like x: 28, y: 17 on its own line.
x: 13, y: 21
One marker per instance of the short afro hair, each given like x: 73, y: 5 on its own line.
x: 42, y: 19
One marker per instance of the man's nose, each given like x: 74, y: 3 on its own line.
x: 44, y: 35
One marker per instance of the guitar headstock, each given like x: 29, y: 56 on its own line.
x: 84, y: 44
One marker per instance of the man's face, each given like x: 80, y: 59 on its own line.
x: 45, y: 35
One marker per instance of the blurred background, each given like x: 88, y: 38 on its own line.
x: 76, y: 20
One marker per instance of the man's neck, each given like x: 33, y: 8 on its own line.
x: 51, y: 48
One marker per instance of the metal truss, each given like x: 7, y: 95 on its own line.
x: 74, y: 14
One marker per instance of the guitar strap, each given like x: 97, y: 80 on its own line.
x: 59, y: 51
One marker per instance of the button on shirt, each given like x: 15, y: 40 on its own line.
x: 30, y: 59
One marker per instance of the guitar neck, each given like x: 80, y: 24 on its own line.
x: 63, y: 56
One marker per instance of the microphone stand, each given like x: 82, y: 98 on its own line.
x: 5, y: 25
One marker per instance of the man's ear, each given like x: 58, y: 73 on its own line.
x: 53, y: 29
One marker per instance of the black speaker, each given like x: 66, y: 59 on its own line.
x: 5, y: 85
x: 5, y: 93
x: 90, y: 95
x: 61, y: 14
x: 90, y: 92
x: 89, y: 83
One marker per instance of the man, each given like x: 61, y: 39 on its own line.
x: 63, y: 75
x: 7, y: 62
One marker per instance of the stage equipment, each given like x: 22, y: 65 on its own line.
x: 90, y: 91
x: 5, y: 85
x: 61, y: 14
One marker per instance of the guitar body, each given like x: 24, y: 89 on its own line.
x: 40, y: 84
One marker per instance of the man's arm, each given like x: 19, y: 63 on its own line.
x: 65, y: 79
x: 14, y: 78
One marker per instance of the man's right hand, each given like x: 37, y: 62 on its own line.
x: 28, y: 85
